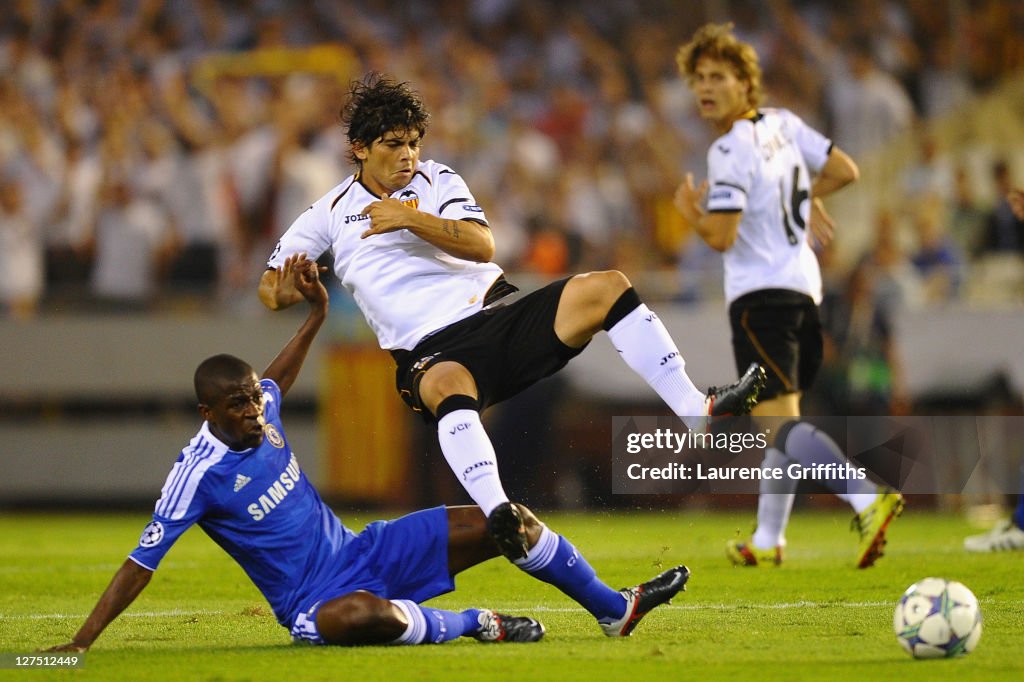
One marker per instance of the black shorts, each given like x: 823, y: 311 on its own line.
x: 781, y: 330
x: 507, y: 348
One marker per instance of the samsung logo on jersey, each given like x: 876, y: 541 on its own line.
x: 472, y: 208
x: 355, y: 218
x: 276, y: 493
x: 720, y: 194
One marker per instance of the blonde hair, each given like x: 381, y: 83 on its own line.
x: 717, y: 41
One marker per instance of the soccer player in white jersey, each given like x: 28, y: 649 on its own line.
x: 412, y: 245
x: 239, y: 480
x: 767, y: 173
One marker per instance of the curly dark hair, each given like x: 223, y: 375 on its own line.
x: 377, y: 105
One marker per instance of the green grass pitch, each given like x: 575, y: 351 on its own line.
x: 814, y: 618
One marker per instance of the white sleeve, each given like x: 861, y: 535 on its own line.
x: 729, y: 178
x: 309, y: 234
x: 454, y: 200
x: 814, y: 146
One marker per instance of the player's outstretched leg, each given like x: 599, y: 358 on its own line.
x: 497, y: 627
x: 554, y: 560
x: 872, y: 524
x: 360, y: 618
x: 470, y: 454
x: 428, y: 625
x: 644, y: 597
x: 645, y: 345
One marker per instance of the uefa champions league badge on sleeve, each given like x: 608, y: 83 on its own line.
x: 152, y: 534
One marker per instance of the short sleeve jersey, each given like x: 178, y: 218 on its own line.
x: 405, y: 286
x: 761, y: 167
x: 257, y: 505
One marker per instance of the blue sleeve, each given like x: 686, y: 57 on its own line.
x: 181, y: 504
x: 271, y: 400
x: 159, y: 536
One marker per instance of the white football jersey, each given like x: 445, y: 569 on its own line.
x: 405, y: 286
x: 760, y: 167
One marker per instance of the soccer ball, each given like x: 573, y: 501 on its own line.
x: 937, y: 618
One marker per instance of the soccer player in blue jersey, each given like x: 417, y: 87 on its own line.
x: 240, y: 482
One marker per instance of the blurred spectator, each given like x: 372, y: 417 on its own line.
x: 943, y: 83
x: 861, y: 374
x: 21, y: 252
x: 133, y: 244
x: 867, y: 106
x: 966, y: 216
x: 67, y: 236
x: 524, y: 93
x: 1004, y: 231
x: 939, y: 261
x: 931, y: 174
x: 894, y: 281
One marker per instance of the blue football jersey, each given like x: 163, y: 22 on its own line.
x: 258, y: 506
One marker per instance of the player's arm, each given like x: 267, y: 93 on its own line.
x: 460, y: 238
x: 718, y: 229
x: 838, y: 172
x: 304, y: 276
x: 128, y: 583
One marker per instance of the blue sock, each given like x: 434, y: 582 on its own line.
x: 1019, y: 512
x: 432, y: 626
x: 555, y: 561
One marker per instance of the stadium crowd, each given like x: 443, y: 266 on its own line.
x: 152, y: 150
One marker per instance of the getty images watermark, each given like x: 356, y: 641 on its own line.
x: 919, y: 455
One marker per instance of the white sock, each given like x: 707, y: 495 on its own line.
x: 416, y: 630
x: 645, y: 345
x: 774, y: 504
x: 810, y: 446
x: 860, y: 501
x: 470, y: 454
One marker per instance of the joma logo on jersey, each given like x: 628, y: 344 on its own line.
x: 409, y: 198
x: 277, y: 491
x: 355, y: 218
x: 668, y: 357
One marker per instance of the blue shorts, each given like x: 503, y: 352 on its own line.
x: 406, y: 558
